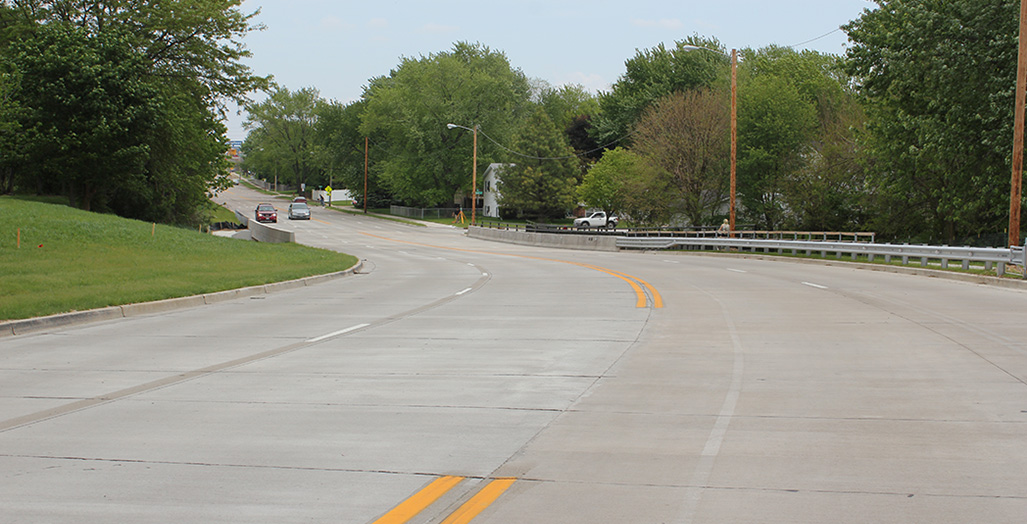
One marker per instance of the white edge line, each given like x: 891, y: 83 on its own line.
x: 339, y: 332
x: 468, y: 290
x: 736, y: 270
x: 810, y: 284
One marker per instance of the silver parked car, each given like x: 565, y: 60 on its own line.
x: 299, y: 210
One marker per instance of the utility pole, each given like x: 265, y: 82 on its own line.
x: 1018, y: 125
x: 365, y: 175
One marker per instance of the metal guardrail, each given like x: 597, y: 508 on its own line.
x: 990, y: 256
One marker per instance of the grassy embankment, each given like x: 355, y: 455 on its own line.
x: 72, y: 260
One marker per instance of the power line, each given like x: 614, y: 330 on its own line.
x: 829, y: 33
x: 576, y: 155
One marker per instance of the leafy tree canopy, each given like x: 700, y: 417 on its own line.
x: 654, y: 73
x: 938, y: 78
x: 118, y: 103
x: 541, y: 184
x: 427, y: 163
x: 282, y: 144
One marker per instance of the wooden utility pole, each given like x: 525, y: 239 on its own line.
x: 365, y: 175
x: 734, y: 134
x: 1018, y: 124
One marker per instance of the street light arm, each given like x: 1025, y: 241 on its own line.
x: 474, y: 169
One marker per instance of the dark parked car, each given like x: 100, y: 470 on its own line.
x: 266, y: 213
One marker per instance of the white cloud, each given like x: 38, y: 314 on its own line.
x: 663, y: 23
x: 378, y: 23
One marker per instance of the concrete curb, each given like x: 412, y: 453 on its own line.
x: 39, y: 324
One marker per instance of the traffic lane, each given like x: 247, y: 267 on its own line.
x: 44, y: 370
x: 499, y: 377
x: 755, y: 396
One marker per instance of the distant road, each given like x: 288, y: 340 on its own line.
x: 457, y: 380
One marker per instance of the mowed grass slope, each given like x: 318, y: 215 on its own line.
x: 72, y: 260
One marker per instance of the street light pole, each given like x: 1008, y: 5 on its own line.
x: 1018, y: 125
x: 474, y: 169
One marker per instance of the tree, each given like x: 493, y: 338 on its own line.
x: 426, y: 163
x: 653, y: 74
x: 604, y: 185
x: 571, y: 108
x: 122, y: 108
x: 566, y: 103
x: 340, y: 149
x: 830, y: 190
x: 284, y: 138
x: 541, y: 184
x: 89, y: 108
x: 196, y: 40
x: 938, y: 79
x: 624, y: 182
x: 686, y: 135
x: 775, y: 126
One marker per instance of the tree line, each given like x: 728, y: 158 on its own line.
x: 116, y: 104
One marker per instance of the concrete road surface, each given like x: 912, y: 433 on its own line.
x: 455, y: 380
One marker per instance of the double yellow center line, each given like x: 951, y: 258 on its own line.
x: 636, y: 283
x: 420, y: 501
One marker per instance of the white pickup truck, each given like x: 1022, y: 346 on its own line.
x: 598, y: 220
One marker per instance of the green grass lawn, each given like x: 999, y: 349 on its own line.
x: 72, y: 260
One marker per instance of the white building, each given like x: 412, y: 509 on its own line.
x: 490, y: 190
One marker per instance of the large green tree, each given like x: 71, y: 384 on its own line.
x: 90, y: 108
x: 695, y: 62
x: 938, y: 78
x: 542, y: 183
x: 426, y: 163
x: 775, y: 125
x: 282, y: 142
x: 119, y: 103
x: 625, y: 183
x: 344, y: 151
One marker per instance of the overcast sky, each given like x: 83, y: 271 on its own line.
x: 336, y: 46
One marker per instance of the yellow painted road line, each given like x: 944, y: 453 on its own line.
x: 657, y: 298
x: 635, y: 282
x: 479, y: 502
x: 419, y: 501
